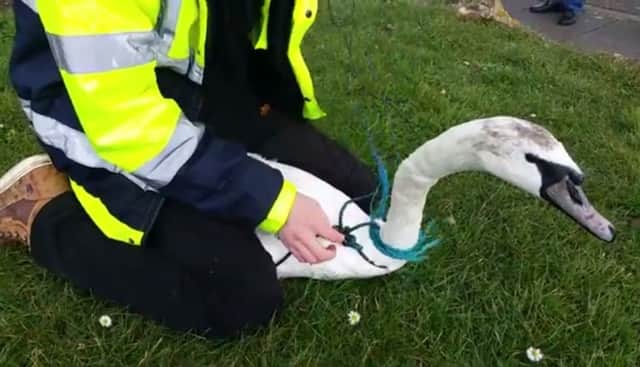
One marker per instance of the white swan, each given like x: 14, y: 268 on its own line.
x: 517, y: 151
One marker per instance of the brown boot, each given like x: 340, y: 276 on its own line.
x: 24, y: 190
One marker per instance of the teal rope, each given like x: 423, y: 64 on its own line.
x: 379, y: 211
x: 349, y: 239
x: 425, y: 241
x: 414, y: 254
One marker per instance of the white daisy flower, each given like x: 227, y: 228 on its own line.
x: 354, y: 317
x: 105, y: 321
x: 534, y: 354
x: 443, y: 92
x: 533, y: 115
x: 467, y: 63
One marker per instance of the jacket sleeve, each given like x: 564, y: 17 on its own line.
x: 106, y: 52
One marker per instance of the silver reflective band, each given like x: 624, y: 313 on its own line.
x: 179, y: 66
x: 185, y: 139
x: 96, y: 53
x: 170, y: 9
x: 31, y: 4
x: 74, y: 144
x: 156, y: 173
x: 196, y: 73
x: 166, y: 30
x: 26, y: 107
x: 105, y: 52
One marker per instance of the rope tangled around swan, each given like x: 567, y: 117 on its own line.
x: 378, y: 211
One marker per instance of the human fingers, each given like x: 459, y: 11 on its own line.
x: 306, y: 254
x: 321, y: 253
x: 328, y: 232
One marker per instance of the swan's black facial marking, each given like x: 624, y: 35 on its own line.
x: 561, y: 187
x: 553, y: 173
x: 574, y: 194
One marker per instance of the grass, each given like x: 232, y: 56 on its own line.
x: 511, y: 273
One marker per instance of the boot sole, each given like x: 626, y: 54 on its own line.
x: 22, y: 169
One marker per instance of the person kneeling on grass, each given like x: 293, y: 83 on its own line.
x: 146, y: 195
x: 568, y: 8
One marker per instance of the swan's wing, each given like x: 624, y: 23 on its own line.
x: 348, y: 263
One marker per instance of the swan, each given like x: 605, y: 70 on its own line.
x: 518, y: 151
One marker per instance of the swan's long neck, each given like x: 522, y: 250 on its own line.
x: 449, y: 153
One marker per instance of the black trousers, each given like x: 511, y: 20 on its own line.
x: 196, y: 274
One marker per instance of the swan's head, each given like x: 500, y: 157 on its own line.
x: 530, y: 157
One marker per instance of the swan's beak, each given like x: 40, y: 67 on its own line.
x: 569, y: 197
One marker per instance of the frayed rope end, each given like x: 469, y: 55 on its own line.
x: 379, y: 211
x: 416, y: 253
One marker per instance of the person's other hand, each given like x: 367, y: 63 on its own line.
x: 306, y: 221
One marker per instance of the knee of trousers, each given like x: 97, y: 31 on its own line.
x: 244, y: 309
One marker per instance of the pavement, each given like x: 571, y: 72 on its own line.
x: 611, y: 27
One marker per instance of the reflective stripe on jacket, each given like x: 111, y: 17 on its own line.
x: 85, y: 72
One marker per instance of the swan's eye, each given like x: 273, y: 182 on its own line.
x: 573, y: 193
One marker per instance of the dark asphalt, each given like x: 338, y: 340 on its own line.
x: 597, y: 29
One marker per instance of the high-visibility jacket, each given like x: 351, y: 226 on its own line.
x: 85, y: 73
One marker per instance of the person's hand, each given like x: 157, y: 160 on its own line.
x: 306, y: 221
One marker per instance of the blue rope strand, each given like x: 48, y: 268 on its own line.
x: 379, y: 204
x: 379, y: 210
x: 425, y: 241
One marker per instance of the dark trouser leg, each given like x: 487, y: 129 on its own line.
x: 303, y: 146
x: 574, y: 5
x: 195, y: 274
x: 547, y: 6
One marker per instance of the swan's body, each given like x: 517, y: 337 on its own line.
x: 515, y: 150
x: 347, y: 263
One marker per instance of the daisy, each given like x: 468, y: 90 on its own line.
x: 105, y: 321
x: 534, y: 354
x: 354, y: 317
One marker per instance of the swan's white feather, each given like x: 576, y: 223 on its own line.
x: 348, y: 263
x: 495, y: 145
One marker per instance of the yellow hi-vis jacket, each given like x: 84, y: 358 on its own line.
x: 85, y: 72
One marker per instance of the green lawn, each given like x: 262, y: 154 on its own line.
x: 511, y: 273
